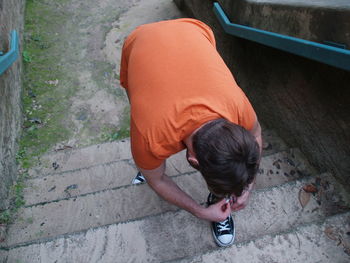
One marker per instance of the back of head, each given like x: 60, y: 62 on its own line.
x: 228, y: 156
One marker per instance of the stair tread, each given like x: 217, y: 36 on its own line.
x: 276, y: 208
x: 74, y: 159
x: 177, y: 234
x: 308, y: 243
x: 82, y: 157
x: 275, y: 169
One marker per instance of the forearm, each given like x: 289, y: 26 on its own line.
x: 251, y: 185
x: 169, y: 191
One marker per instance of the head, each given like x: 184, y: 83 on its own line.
x: 227, y: 155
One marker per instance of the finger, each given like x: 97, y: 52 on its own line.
x: 225, y: 205
x: 220, y: 203
x: 234, y: 205
x: 227, y: 209
x: 238, y: 208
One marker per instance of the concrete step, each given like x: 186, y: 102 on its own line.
x: 275, y: 209
x: 176, y: 234
x: 275, y: 169
x: 97, y: 209
x: 272, y: 143
x: 74, y: 159
x: 92, y: 179
x: 323, y: 242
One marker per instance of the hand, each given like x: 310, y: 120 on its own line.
x: 240, y: 202
x: 217, y: 212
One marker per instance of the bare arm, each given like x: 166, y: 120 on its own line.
x: 168, y: 190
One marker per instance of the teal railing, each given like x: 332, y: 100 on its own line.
x: 11, y: 56
x: 336, y: 56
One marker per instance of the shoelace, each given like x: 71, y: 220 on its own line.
x: 224, y: 225
x: 140, y: 177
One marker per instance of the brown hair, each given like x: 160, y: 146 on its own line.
x: 228, y: 156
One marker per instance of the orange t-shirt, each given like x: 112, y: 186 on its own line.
x: 176, y: 81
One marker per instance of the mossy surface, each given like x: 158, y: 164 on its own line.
x: 16, y: 200
x: 63, y: 64
x: 46, y: 84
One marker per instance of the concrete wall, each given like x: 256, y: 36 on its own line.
x: 11, y: 18
x: 306, y: 102
x: 314, y: 20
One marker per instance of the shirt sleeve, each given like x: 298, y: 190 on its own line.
x: 141, y: 153
x: 207, y: 31
x: 124, y: 68
x: 124, y: 60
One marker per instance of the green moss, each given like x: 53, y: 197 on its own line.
x: 30, y: 220
x: 5, y: 217
x: 53, y: 62
x: 114, y: 133
x: 47, y: 86
x: 16, y: 199
x: 27, y: 57
x: 124, y: 129
x: 39, y: 233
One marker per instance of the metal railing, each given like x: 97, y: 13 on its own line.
x: 331, y: 55
x: 11, y: 56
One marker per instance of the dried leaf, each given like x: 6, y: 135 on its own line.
x: 330, y: 234
x: 346, y: 246
x: 55, y: 165
x: 304, y: 198
x: 65, y: 147
x: 52, y: 82
x: 276, y: 164
x: 52, y: 188
x: 310, y: 188
x: 290, y: 162
x: 71, y: 187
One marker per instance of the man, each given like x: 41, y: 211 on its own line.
x: 183, y: 96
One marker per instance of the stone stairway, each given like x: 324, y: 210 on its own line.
x: 80, y: 207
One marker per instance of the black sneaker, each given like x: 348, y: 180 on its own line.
x: 223, y: 232
x: 139, y: 179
